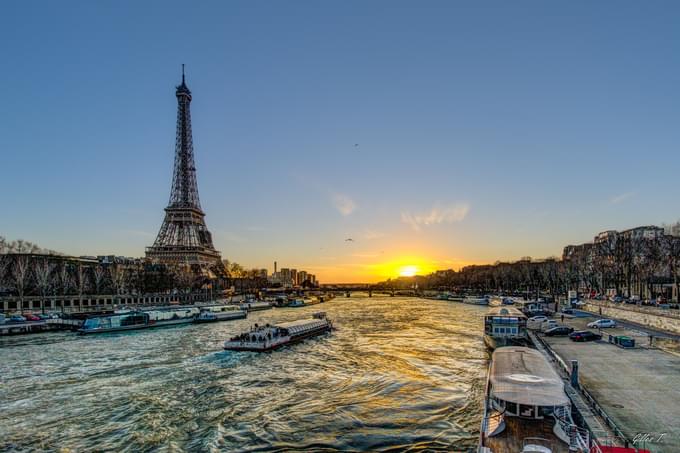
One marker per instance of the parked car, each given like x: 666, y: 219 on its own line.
x: 44, y: 317
x: 548, y: 324
x: 535, y: 322
x: 577, y: 304
x: 17, y: 318
x: 31, y: 317
x: 584, y: 335
x: 559, y: 331
x: 538, y: 319
x: 567, y: 311
x: 602, y: 324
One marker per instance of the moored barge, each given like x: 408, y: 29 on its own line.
x: 138, y: 319
x: 526, y: 408
x: 215, y: 313
x: 252, y: 305
x: 270, y: 337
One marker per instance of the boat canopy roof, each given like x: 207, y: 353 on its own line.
x: 506, y: 311
x: 301, y: 324
x: 522, y: 375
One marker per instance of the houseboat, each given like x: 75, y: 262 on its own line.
x: 304, y: 301
x: 526, y: 408
x: 269, y: 337
x: 253, y: 305
x: 138, y: 319
x: 214, y: 313
x: 473, y: 300
x: 505, y: 326
x: 297, y: 302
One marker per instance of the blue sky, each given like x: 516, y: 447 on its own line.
x: 486, y: 130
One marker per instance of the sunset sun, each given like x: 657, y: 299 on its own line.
x: 408, y: 271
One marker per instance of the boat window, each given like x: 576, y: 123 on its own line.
x: 510, y: 407
x: 545, y: 411
x: 526, y: 411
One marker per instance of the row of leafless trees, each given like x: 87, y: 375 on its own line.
x: 41, y: 275
x: 627, y: 266
x: 45, y: 276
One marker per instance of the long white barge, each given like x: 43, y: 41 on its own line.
x: 270, y: 337
x: 255, y: 305
x: 215, y: 313
x: 526, y: 408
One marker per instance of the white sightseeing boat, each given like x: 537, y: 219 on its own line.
x: 270, y: 337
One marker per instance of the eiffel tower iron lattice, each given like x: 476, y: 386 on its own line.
x: 184, y: 238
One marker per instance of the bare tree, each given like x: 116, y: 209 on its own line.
x: 43, y: 272
x: 4, y: 265
x: 65, y: 281
x: 82, y: 278
x: 119, y: 278
x: 20, y: 274
x: 100, y: 275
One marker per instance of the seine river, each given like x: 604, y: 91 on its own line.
x: 398, y: 374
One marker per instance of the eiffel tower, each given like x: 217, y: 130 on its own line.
x: 184, y: 238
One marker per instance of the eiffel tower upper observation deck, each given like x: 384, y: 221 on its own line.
x: 184, y: 237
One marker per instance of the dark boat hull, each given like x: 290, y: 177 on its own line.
x: 492, y: 342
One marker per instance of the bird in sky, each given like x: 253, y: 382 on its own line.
x: 349, y: 240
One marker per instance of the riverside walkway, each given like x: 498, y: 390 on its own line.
x: 636, y: 388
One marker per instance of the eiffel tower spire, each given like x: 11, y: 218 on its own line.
x: 184, y: 238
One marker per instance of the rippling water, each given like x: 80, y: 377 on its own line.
x: 397, y: 374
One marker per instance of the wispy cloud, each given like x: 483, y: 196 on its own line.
x: 438, y: 214
x: 344, y: 204
x: 621, y: 197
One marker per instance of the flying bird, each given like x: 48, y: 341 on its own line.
x: 349, y: 240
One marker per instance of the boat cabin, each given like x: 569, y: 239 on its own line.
x: 505, y: 321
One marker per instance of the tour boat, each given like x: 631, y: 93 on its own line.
x: 214, y: 313
x: 471, y: 300
x: 269, y: 337
x: 526, y: 408
x: 255, y: 306
x: 138, y: 319
x: 505, y: 326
